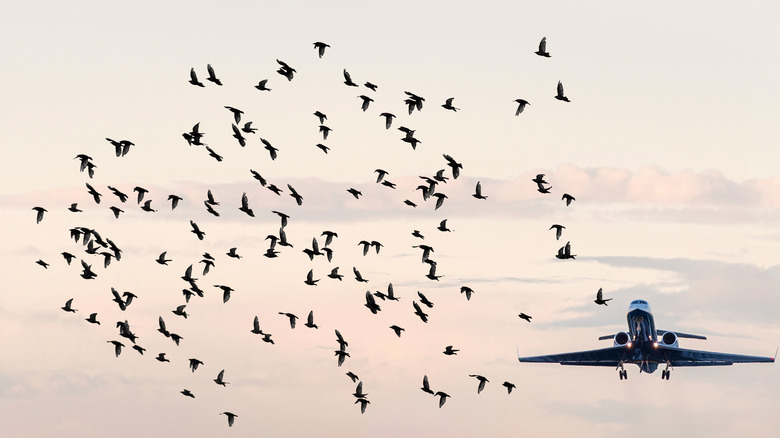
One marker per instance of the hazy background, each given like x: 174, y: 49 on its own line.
x: 669, y: 146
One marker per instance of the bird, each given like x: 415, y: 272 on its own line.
x: 194, y: 363
x: 340, y: 339
x: 482, y: 381
x: 267, y: 338
x: 39, y: 215
x: 371, y: 303
x: 117, y: 347
x: 92, y: 319
x: 310, y: 320
x: 230, y: 417
x: 539, y: 179
x: 212, y: 76
x: 87, y: 272
x: 272, y: 151
x: 194, y: 79
x: 262, y: 85
x: 187, y: 393
x: 248, y: 128
x: 432, y: 271
x: 509, y: 387
x: 559, y: 95
x: 325, y: 131
x: 426, y: 386
x: 352, y: 376
x: 449, y: 351
x: 363, y: 403
x: 358, y: 277
x: 419, y: 312
x: 366, y: 101
x: 139, y: 349
x: 298, y: 198
x: 521, y: 104
x: 558, y: 230
x: 197, y: 230
x: 440, y: 197
x: 161, y: 357
x: 237, y: 113
x: 322, y: 147
x: 213, y: 154
x: 448, y: 105
x: 238, y: 136
x: 258, y: 177
x: 370, y: 86
x: 329, y: 235
x: 416, y: 233
x: 162, y: 328
x: 68, y: 306
x: 348, y: 79
x: 148, y: 206
x: 525, y: 317
x: 245, y: 206
x: 226, y: 290
x: 42, y: 263
x: 141, y: 192
x: 116, y: 211
x: 74, y: 207
x: 355, y: 192
x: 442, y: 397
x: 180, y: 311
x: 233, y: 254
x: 321, y: 116
x: 565, y: 252
x: 320, y: 46
x: 256, y: 326
x: 174, y: 200
x: 388, y: 119
x: 424, y: 300
x: 454, y: 165
x: 543, y: 48
x: 599, y: 297
x: 291, y: 317
x: 95, y: 195
x: 478, y: 193
x: 210, y: 209
x: 397, y: 330
x: 568, y: 198
x: 68, y: 257
x: 334, y: 274
x: 342, y: 355
x: 220, y: 379
x: 468, y: 291
x: 285, y: 70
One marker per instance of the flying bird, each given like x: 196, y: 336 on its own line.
x: 509, y: 387
x: 310, y: 278
x: 388, y: 119
x: 174, y: 200
x: 565, y: 252
x: 117, y: 347
x: 568, y: 198
x: 212, y: 76
x: 521, y: 104
x: 320, y: 46
x: 371, y: 303
x: 67, y: 307
x: 187, y: 393
x: 348, y: 79
x: 220, y: 379
x: 448, y: 105
x: 426, y: 386
x: 559, y: 95
x: 419, y: 312
x: 442, y: 397
x: 482, y: 381
x: 197, y: 230
x: 358, y: 277
x: 468, y: 291
x: 262, y: 85
x: 321, y: 116
x: 454, y: 165
x: 558, y: 230
x: 478, y: 192
x: 525, y: 317
x: 543, y: 48
x: 92, y: 319
x: 310, y: 320
x: 291, y: 317
x: 599, y: 297
x: 39, y: 215
x: 230, y: 417
x: 245, y: 206
x: 449, y: 351
x: 366, y: 101
x: 397, y: 330
x: 194, y: 79
x: 363, y: 403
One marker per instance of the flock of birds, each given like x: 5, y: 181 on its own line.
x: 95, y: 243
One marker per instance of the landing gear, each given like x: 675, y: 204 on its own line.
x: 665, y: 374
x: 622, y: 373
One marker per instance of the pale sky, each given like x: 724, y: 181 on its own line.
x: 669, y: 145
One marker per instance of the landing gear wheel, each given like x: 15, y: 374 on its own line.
x: 623, y: 374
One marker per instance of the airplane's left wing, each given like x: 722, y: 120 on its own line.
x: 681, y: 357
x: 607, y: 357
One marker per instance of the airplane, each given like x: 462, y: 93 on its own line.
x: 646, y: 347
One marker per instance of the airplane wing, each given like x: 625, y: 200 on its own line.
x: 607, y: 357
x: 681, y: 357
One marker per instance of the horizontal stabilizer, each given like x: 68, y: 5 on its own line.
x: 682, y: 335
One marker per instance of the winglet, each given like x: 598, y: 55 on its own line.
x: 518, y: 353
x: 773, y: 357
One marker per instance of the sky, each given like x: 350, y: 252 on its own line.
x: 669, y: 146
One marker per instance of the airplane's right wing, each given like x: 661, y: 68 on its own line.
x: 607, y: 357
x: 682, y: 357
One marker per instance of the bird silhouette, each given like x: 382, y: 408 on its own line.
x: 363, y: 403
x: 310, y: 320
x: 558, y: 230
x: 334, y: 274
x: 194, y: 79
x: 521, y: 104
x: 245, y: 206
x: 424, y: 300
x: 187, y: 393
x: 348, y: 79
x: 42, y: 263
x: 256, y: 326
x: 442, y: 397
x: 291, y: 317
x: 117, y: 347
x: 482, y: 381
x: 74, y: 207
x: 509, y: 387
x: 599, y: 297
x: 525, y: 317
x: 342, y: 355
x: 340, y: 339
x: 478, y: 192
x: 220, y: 379
x: 161, y: 357
x: 426, y: 386
x: 194, y: 363
x: 352, y: 376
x: 366, y: 101
x: 67, y: 307
x: 196, y: 230
x: 174, y: 201
x: 448, y: 104
x: 355, y: 192
x: 388, y: 119
x: 298, y: 198
x: 397, y: 330
x: 568, y: 198
x: 359, y: 391
x: 559, y: 95
x: 320, y: 46
x: 358, y: 277
x: 449, y: 351
x: 565, y: 252
x: 371, y: 86
x: 371, y: 303
x: 230, y: 417
x: 454, y: 165
x: 39, y: 214
x: 468, y: 291
x: 92, y: 319
x: 212, y: 76
x: 320, y: 116
x: 419, y: 312
x: 543, y: 48
x: 95, y: 195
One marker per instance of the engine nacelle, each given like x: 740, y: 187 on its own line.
x: 621, y: 339
x: 669, y: 338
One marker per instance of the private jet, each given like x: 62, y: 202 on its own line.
x: 646, y: 347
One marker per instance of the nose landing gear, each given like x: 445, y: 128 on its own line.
x: 665, y: 374
x: 622, y: 373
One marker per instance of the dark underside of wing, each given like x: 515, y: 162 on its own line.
x: 681, y: 357
x: 607, y: 357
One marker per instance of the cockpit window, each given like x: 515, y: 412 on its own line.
x: 639, y: 302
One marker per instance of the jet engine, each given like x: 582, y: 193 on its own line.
x: 670, y: 339
x: 621, y: 338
